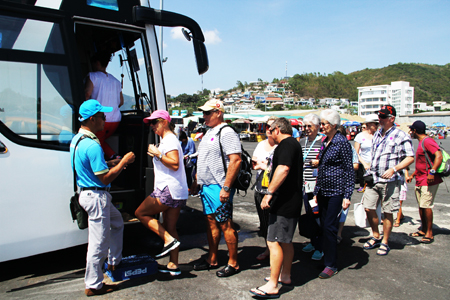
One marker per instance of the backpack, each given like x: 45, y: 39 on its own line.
x: 444, y: 168
x: 244, y: 176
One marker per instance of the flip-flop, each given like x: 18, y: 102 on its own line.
x: 266, y: 279
x: 426, y: 240
x: 383, y: 252
x: 417, y: 234
x: 397, y: 224
x: 264, y: 294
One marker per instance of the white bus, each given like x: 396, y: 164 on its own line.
x: 45, y: 50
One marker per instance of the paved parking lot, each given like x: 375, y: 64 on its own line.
x: 410, y: 271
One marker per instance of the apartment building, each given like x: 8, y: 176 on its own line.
x: 398, y: 94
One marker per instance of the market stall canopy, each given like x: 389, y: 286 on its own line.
x: 261, y: 120
x: 438, y: 124
x: 241, y: 121
x: 351, y: 123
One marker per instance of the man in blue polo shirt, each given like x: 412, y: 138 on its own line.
x: 94, y: 178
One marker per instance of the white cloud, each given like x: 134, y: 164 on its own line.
x: 211, y: 36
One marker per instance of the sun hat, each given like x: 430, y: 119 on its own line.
x: 211, y: 105
x: 163, y: 114
x: 90, y: 108
x: 371, y: 119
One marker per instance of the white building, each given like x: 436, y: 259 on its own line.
x: 398, y: 94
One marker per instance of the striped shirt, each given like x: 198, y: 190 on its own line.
x: 209, y: 164
x: 310, y: 151
x: 388, y: 151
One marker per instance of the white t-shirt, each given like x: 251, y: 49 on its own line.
x: 261, y: 154
x: 176, y: 180
x: 365, y: 150
x: 107, y: 91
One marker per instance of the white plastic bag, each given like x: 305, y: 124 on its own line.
x: 361, y: 217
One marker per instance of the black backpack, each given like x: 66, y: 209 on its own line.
x: 244, y: 176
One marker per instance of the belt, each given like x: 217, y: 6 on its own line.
x: 93, y: 188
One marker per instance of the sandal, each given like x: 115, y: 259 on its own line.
x: 426, y: 240
x: 397, y: 224
x: 417, y: 234
x: 385, y: 251
x: 376, y: 242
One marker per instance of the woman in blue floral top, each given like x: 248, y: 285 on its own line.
x: 334, y: 186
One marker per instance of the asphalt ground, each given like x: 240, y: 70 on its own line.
x: 411, y: 270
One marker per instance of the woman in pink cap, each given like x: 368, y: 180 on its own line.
x: 171, y: 190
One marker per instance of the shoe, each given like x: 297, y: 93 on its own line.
x: 262, y: 294
x: 106, y: 288
x: 368, y: 245
x: 172, y: 245
x: 385, y: 251
x: 317, y: 255
x: 327, y: 273
x: 308, y: 248
x: 227, y: 271
x: 204, y: 265
x: 361, y: 190
x: 165, y: 269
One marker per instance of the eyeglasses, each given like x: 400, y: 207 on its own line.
x: 207, y: 113
x: 383, y: 116
x: 155, y: 121
x: 272, y: 129
x: 324, y: 124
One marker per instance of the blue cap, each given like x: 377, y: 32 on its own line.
x: 90, y: 108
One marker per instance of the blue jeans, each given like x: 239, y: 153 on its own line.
x: 329, y: 210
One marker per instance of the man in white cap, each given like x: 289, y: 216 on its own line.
x: 94, y: 178
x: 216, y: 183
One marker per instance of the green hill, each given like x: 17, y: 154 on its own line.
x: 430, y: 82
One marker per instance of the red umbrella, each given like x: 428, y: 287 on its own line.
x: 294, y: 121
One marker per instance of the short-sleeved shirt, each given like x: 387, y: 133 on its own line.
x: 175, y: 180
x: 210, y: 169
x: 336, y: 175
x: 365, y: 151
x: 262, y: 155
x: 89, y: 160
x: 287, y: 199
x: 388, y: 151
x: 107, y: 91
x: 421, y: 163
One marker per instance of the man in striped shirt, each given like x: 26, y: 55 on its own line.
x: 392, y: 151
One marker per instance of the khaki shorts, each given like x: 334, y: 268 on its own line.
x: 386, y: 192
x: 425, y: 195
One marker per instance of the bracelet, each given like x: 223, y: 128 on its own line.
x: 395, y: 170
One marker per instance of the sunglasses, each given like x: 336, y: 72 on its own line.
x: 207, y: 113
x: 309, y: 126
x: 103, y: 117
x: 272, y: 129
x: 155, y: 121
x: 324, y: 124
x: 383, y: 117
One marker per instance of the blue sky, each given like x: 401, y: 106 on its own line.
x: 247, y: 40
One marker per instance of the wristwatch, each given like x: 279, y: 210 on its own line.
x: 432, y: 172
x: 226, y: 189
x: 269, y: 193
x: 160, y: 156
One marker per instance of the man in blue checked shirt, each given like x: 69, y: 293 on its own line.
x: 392, y: 151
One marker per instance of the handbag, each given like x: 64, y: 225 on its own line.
x: 77, y: 211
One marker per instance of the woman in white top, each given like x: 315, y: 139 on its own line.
x: 171, y: 190
x: 262, y: 152
x: 363, y: 147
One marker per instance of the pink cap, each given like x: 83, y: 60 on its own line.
x: 163, y: 114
